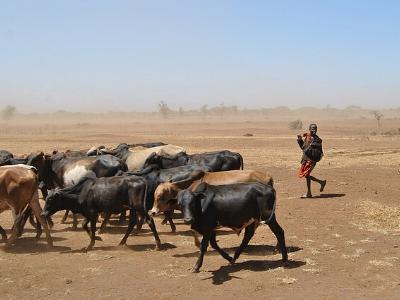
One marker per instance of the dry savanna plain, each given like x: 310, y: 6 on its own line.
x: 343, y: 244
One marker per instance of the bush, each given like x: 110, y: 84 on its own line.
x: 297, y: 124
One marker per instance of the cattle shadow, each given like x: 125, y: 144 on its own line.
x: 250, y: 249
x: 135, y: 247
x: 327, y: 196
x: 190, y: 233
x: 32, y: 245
x: 224, y: 273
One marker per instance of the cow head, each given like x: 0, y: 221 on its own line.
x: 187, y: 202
x: 164, y: 198
x: 54, y: 203
x: 193, y: 204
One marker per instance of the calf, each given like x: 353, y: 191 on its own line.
x: 18, y: 190
x: 237, y: 206
x: 91, y: 196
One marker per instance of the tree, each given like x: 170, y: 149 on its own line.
x: 221, y: 109
x: 8, y: 112
x: 297, y: 124
x: 164, y: 109
x: 378, y: 116
x: 204, y: 110
x: 181, y: 111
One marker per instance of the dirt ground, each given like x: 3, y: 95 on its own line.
x: 344, y: 243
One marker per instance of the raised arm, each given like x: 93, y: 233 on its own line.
x: 300, y: 141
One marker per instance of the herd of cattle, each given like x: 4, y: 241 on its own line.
x: 211, y: 189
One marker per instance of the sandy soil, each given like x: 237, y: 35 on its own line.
x: 344, y: 244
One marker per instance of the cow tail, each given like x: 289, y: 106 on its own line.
x: 241, y: 161
x: 273, y: 210
x: 145, y: 201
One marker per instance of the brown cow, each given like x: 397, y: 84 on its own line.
x: 18, y: 189
x: 165, y: 193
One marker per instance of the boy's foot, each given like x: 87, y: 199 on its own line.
x: 323, y: 184
x: 306, y: 196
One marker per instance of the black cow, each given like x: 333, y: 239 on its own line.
x: 237, y: 206
x: 91, y: 196
x: 59, y: 170
x: 7, y: 158
x: 216, y: 161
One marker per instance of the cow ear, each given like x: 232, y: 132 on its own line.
x: 206, y: 201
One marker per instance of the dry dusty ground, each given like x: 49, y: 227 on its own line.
x: 343, y: 244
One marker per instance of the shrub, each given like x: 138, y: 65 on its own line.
x: 297, y: 124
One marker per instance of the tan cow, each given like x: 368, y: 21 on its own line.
x: 135, y: 158
x: 18, y: 189
x: 166, y: 192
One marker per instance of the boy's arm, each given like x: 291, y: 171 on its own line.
x: 300, y: 141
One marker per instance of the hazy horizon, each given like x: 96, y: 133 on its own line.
x: 128, y: 56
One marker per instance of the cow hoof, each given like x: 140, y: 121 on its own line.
x: 285, y: 262
x: 98, y: 238
x: 232, y: 261
x: 195, y: 270
x: 49, y: 246
x: 158, y: 247
x: 86, y: 249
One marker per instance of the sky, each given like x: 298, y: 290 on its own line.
x: 130, y: 55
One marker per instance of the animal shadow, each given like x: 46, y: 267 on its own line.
x: 148, y: 247
x: 250, y: 249
x: 326, y: 196
x: 26, y: 245
x: 224, y: 273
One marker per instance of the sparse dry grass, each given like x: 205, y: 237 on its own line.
x: 378, y: 217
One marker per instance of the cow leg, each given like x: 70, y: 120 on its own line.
x: 39, y: 230
x: 92, y: 233
x: 203, y: 249
x: 150, y: 222
x: 248, y: 234
x: 132, y: 223
x: 196, y: 239
x: 75, y: 221
x: 85, y: 226
x: 213, y: 243
x: 64, y: 218
x: 168, y: 217
x: 3, y: 234
x: 139, y: 221
x: 25, y: 215
x: 15, y: 230
x: 122, y: 217
x: 44, y: 192
x: 34, y: 204
x: 280, y: 236
x: 104, y: 223
x: 29, y: 214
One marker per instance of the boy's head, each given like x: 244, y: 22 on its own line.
x: 313, y: 129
